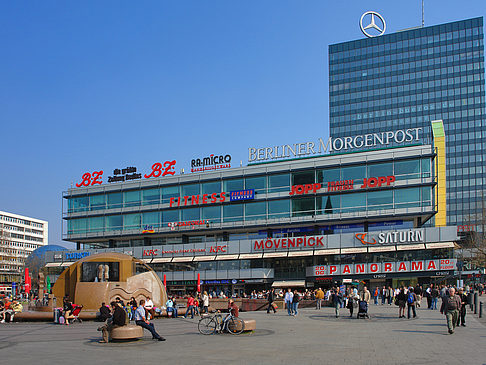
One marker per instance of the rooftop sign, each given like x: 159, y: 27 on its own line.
x: 333, y: 145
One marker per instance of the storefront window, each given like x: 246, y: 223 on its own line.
x: 406, y: 198
x: 303, y: 206
x: 169, y: 192
x: 151, y: 218
x: 233, y: 212
x: 151, y: 196
x: 259, y: 183
x: 78, y: 204
x: 301, y: 178
x: 327, y: 175
x: 379, y: 200
x: 190, y: 214
x: 189, y: 190
x: 425, y: 167
x: 356, y: 173
x: 96, y: 224
x: 114, y: 200
x: 97, y: 202
x: 131, y: 198
x: 233, y: 185
x: 206, y: 265
x: 114, y: 222
x: 407, y: 169
x: 278, y: 183
x: 228, y: 265
x: 330, y: 204
x: 100, y: 271
x: 254, y: 211
x: 380, y: 169
x: 278, y: 208
x: 169, y: 216
x: 212, y: 213
x: 211, y: 187
x: 353, y: 202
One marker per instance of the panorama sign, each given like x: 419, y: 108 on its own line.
x: 333, y: 145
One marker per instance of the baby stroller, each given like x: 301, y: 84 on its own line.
x: 74, y: 316
x: 363, y: 309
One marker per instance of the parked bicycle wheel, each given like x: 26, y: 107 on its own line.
x: 207, y: 325
x: 235, y: 326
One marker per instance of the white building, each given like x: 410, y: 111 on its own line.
x: 19, y: 236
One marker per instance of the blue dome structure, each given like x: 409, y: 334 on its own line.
x: 38, y: 256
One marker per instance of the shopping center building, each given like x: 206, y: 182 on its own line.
x: 294, y: 216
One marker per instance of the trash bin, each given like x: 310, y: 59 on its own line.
x: 57, y: 314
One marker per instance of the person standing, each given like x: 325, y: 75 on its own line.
x: 391, y: 294
x: 289, y: 296
x: 295, y: 302
x: 428, y: 295
x: 319, y: 298
x: 435, y: 297
x: 190, y: 306
x: 411, y: 302
x: 205, y: 302
x: 462, y: 312
x: 418, y: 293
x: 337, y: 300
x: 366, y: 295
x: 141, y: 320
x: 383, y: 295
x: 352, y: 301
x: 402, y: 299
x: 271, y: 300
x: 451, y: 305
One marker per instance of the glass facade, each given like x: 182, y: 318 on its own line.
x: 408, y: 79
x: 129, y: 211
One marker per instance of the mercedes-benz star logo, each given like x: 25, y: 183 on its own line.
x: 372, y: 24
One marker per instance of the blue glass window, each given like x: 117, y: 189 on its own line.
x: 279, y: 208
x: 151, y: 196
x: 131, y: 198
x: 256, y: 210
x: 232, y: 212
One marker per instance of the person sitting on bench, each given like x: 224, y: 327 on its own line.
x: 140, y: 320
x: 118, y: 319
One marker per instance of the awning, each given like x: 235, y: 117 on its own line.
x: 274, y: 254
x: 300, y: 253
x: 289, y: 284
x: 439, y: 245
x: 64, y: 264
x: 182, y: 259
x: 227, y: 257
x: 381, y: 248
x: 53, y: 264
x: 353, y: 250
x: 250, y: 256
x: 419, y: 246
x: 333, y: 251
x: 161, y: 259
x: 204, y: 258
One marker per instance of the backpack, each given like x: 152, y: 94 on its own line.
x: 410, y: 298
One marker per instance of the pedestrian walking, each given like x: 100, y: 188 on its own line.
x: 295, y: 302
x: 462, y: 312
x: 271, y: 300
x: 401, y: 299
x: 205, y: 302
x: 352, y: 302
x: 451, y: 305
x: 190, y: 306
x: 337, y: 300
x: 383, y: 295
x: 435, y: 297
x: 375, y: 295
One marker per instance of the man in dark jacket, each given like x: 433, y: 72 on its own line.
x: 271, y: 299
x: 118, y: 319
x: 105, y: 313
x: 451, y: 305
x: 462, y: 312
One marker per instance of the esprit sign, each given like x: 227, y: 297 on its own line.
x: 333, y: 145
x: 383, y: 267
x: 391, y: 238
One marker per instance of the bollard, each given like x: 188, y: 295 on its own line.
x: 470, y: 298
x: 480, y: 309
x: 476, y: 300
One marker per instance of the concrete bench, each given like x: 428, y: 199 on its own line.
x: 128, y: 332
x: 250, y: 325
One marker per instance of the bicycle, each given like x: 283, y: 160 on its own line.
x: 216, y: 324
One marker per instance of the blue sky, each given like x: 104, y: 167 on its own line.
x: 102, y: 85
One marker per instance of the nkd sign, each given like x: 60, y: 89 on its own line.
x: 382, y: 267
x: 333, y: 145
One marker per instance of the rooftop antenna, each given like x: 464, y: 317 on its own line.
x: 423, y: 23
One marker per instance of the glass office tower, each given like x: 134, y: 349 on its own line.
x: 410, y: 78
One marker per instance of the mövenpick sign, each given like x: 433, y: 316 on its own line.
x: 333, y: 145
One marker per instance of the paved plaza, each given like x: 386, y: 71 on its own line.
x: 310, y: 338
